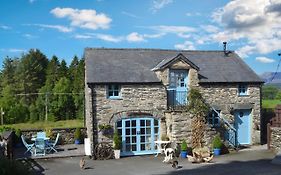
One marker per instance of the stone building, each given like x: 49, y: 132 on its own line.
x: 142, y: 94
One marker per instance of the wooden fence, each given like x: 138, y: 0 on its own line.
x: 274, y: 122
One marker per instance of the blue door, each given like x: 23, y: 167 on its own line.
x: 242, y: 125
x: 138, y: 135
x: 178, y: 87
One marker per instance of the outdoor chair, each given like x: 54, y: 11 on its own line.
x: 39, y: 147
x: 28, y: 146
x: 51, y: 145
x: 41, y: 135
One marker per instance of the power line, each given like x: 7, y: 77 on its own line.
x: 275, y: 73
x: 27, y: 94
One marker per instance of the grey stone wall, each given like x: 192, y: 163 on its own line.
x: 133, y: 97
x: 66, y: 134
x: 275, y: 138
x: 179, y: 127
x: 224, y: 97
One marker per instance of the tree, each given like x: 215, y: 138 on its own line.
x: 62, y: 107
x: 269, y: 92
x: 76, y: 70
x: 31, y: 74
x: 199, y: 110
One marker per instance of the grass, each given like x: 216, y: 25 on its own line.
x: 270, y: 103
x: 48, y: 124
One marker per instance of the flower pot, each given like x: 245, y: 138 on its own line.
x: 183, y: 154
x: 117, y: 154
x: 217, y: 151
x: 77, y: 142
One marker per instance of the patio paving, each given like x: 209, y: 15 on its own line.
x: 69, y: 150
x: 257, y: 161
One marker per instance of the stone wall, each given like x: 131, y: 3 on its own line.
x: 225, y: 98
x: 133, y: 97
x: 179, y: 127
x: 275, y: 138
x: 66, y: 134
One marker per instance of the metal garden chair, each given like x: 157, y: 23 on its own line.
x: 40, y: 147
x: 51, y: 145
x: 28, y: 146
x: 41, y: 135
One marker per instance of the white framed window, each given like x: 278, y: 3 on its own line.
x: 113, y: 91
x: 242, y: 90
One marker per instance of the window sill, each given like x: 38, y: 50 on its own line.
x: 115, y: 98
x: 243, y: 95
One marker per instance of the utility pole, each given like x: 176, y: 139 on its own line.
x: 2, y: 116
x: 46, y: 106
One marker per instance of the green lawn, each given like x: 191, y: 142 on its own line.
x: 48, y: 124
x: 270, y: 103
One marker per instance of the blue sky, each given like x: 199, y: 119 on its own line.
x: 65, y: 27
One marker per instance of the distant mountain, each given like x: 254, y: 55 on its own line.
x: 267, y: 78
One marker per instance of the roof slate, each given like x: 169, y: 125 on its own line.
x: 105, y: 65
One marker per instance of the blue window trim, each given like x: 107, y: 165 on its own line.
x: 213, y: 119
x: 113, y: 92
x: 242, y: 90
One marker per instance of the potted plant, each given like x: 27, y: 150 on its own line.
x: 77, y: 136
x: 106, y: 130
x: 117, y: 144
x: 217, y: 145
x: 183, y: 149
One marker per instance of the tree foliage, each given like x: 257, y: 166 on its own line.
x: 32, y: 86
x: 199, y: 110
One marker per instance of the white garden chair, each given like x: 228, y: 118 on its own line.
x: 28, y: 146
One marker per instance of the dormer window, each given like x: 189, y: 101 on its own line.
x: 113, y: 91
x: 242, y: 90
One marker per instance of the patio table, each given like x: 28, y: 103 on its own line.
x: 161, y: 146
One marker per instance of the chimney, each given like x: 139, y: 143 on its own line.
x: 226, y: 53
x: 224, y: 47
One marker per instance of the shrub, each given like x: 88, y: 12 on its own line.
x: 184, y: 146
x: 77, y: 134
x: 49, y: 133
x: 18, y: 135
x: 117, y: 141
x: 217, y: 143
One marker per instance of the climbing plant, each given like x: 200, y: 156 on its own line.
x: 199, y: 109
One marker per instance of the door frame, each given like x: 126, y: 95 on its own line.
x: 250, y: 118
x: 138, y: 135
x: 178, y: 92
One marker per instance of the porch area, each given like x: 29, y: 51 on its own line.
x: 68, y: 150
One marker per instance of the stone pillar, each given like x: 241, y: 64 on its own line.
x: 89, y: 114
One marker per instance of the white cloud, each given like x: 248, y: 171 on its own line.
x: 29, y: 36
x: 245, y: 51
x: 173, y: 29
x: 257, y: 22
x: 187, y: 45
x: 193, y: 14
x: 265, y: 60
x: 5, y: 27
x: 16, y: 50
x: 109, y: 38
x: 210, y: 28
x: 159, y: 4
x: 57, y: 27
x: 85, y: 18
x: 158, y: 35
x: 130, y: 14
x: 135, y: 37
x: 79, y: 36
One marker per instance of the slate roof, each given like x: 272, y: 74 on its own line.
x: 104, y: 65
